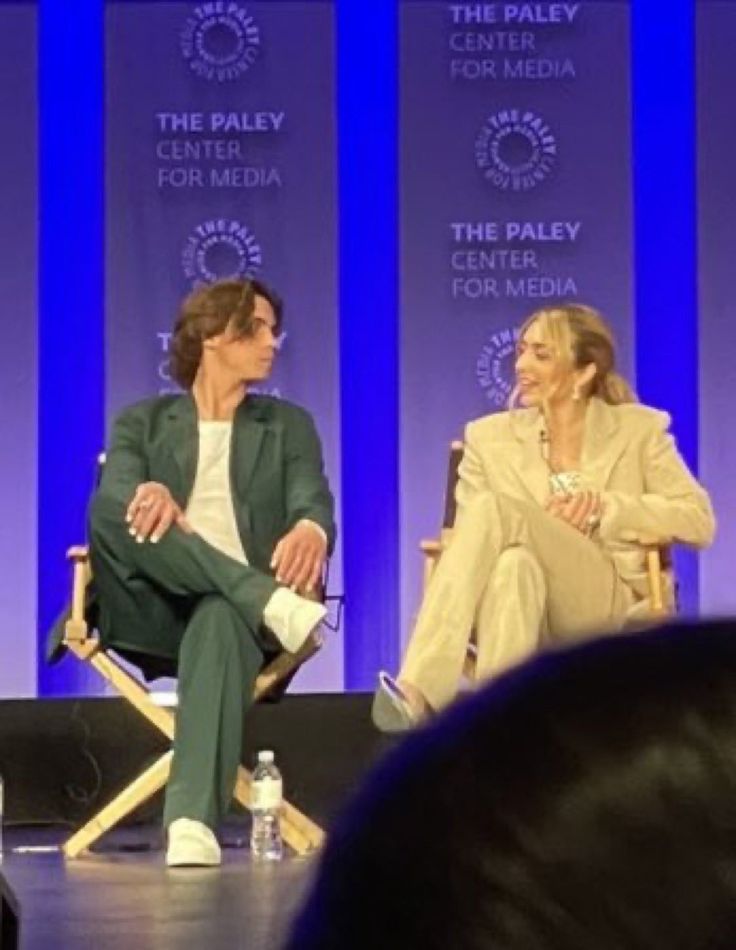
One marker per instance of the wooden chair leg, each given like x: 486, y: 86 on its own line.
x: 656, y: 585
x: 139, y: 791
x: 284, y: 665
x: 137, y: 695
x: 301, y: 834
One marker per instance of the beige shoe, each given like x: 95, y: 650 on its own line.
x: 192, y: 844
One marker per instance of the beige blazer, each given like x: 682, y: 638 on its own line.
x: 648, y: 493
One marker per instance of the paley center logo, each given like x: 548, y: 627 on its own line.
x: 494, y: 368
x: 221, y: 247
x: 220, y: 40
x: 515, y: 149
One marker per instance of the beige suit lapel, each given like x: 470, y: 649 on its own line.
x: 603, y: 443
x: 529, y: 466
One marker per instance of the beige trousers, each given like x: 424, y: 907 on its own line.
x: 521, y: 579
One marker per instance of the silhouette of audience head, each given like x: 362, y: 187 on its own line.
x: 584, y: 801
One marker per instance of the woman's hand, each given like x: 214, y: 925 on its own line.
x: 582, y: 510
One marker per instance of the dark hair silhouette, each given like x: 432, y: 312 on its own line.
x: 585, y: 801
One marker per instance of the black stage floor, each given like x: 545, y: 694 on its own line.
x: 122, y: 897
x: 63, y: 759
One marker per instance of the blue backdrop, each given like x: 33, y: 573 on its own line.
x: 515, y: 191
x: 71, y: 347
x: 716, y: 31
x: 18, y: 363
x: 220, y: 160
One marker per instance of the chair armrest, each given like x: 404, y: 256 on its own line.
x: 75, y: 629
x: 433, y: 547
x: 648, y: 541
x: 432, y: 550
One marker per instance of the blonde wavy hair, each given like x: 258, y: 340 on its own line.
x: 578, y: 335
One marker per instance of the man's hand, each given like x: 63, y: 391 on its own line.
x: 299, y: 557
x: 582, y: 510
x: 152, y: 511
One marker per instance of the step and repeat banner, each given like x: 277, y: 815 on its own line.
x: 716, y: 38
x: 515, y: 193
x: 221, y: 161
x: 18, y: 368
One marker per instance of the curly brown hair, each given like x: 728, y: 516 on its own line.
x: 207, y: 312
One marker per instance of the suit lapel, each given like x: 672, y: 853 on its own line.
x: 529, y: 467
x: 603, y: 443
x: 250, y: 425
x: 183, y: 443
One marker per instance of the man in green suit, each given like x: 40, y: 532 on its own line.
x: 208, y: 532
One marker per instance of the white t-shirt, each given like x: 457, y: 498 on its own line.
x: 211, y: 514
x: 210, y: 510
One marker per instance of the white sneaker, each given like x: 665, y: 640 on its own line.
x: 192, y: 844
x: 292, y: 618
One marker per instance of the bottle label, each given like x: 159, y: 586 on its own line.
x: 266, y: 793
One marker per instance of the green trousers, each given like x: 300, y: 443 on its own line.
x: 184, y: 603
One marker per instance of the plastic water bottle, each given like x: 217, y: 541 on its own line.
x: 267, y: 794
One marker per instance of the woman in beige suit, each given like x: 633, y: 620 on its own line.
x: 554, y: 500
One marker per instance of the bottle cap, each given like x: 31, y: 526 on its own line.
x: 266, y: 757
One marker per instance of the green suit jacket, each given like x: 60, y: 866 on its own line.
x: 276, y: 472
x: 276, y: 468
